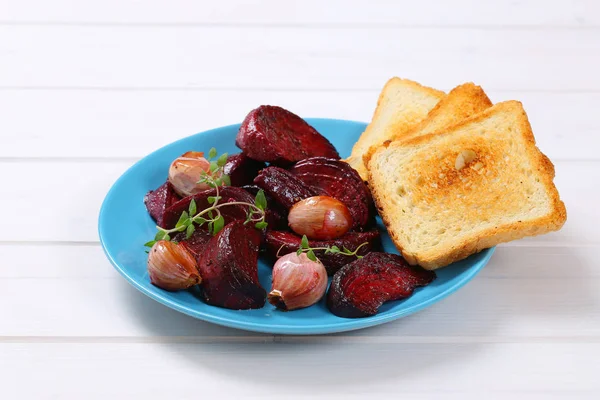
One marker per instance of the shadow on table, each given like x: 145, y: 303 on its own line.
x: 459, y: 328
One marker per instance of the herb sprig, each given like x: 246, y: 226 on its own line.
x: 188, y: 220
x: 310, y: 251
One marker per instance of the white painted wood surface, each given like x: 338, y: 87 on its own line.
x: 86, y: 88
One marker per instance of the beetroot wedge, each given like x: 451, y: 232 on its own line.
x: 273, y: 134
x: 196, y: 243
x: 241, y: 169
x: 157, y: 201
x: 361, y: 287
x: 229, y: 270
x: 228, y: 193
x: 288, y: 242
x: 340, y: 181
x: 283, y: 187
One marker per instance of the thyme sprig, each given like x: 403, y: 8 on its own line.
x: 192, y: 218
x: 310, y: 251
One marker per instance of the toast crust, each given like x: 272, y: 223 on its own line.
x: 462, y: 102
x: 401, y: 120
x: 479, y: 239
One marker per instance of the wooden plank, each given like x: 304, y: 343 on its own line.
x: 337, y: 12
x: 525, y: 293
x: 66, y: 196
x: 332, y: 371
x: 281, y: 57
x: 87, y: 123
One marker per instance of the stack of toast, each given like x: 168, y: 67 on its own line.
x: 452, y: 174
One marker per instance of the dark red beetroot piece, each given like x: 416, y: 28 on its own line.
x: 157, y: 201
x: 196, y: 243
x: 275, y: 214
x: 228, y: 194
x: 291, y: 242
x: 242, y: 169
x: 361, y: 287
x: 229, y: 270
x: 340, y: 181
x: 283, y: 187
x: 273, y: 134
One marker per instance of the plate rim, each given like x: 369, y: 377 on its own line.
x: 345, y: 324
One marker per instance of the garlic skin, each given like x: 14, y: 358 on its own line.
x: 172, y: 267
x: 185, y: 172
x: 320, y: 218
x: 298, y: 282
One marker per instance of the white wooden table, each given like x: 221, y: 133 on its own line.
x: 88, y: 87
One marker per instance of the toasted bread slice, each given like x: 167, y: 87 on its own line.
x: 452, y: 193
x: 402, y: 104
x: 462, y: 102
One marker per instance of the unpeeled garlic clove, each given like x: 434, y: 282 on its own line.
x: 320, y: 218
x: 185, y: 172
x: 172, y: 267
x: 298, y: 282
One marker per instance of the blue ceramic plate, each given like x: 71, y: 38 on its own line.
x: 124, y: 227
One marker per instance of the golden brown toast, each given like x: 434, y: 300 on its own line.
x: 449, y: 194
x: 402, y: 104
x: 462, y: 102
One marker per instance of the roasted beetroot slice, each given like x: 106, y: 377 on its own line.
x: 229, y: 270
x: 283, y: 187
x: 242, y: 169
x: 157, y: 201
x: 340, y: 181
x: 291, y: 242
x: 228, y: 194
x: 196, y: 243
x: 361, y: 287
x: 273, y: 134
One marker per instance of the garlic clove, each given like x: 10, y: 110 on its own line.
x: 298, y: 282
x: 172, y: 267
x: 320, y: 218
x: 185, y: 172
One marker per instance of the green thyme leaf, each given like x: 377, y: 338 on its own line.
x: 211, y: 214
x: 359, y: 257
x: 219, y: 224
x: 200, y: 221
x: 299, y: 252
x: 212, y: 153
x: 150, y: 243
x: 335, y: 249
x: 211, y: 200
x: 226, y: 179
x: 167, y: 237
x: 218, y: 181
x: 160, y: 235
x: 346, y: 250
x: 210, y: 227
x: 213, y: 166
x: 189, y: 231
x: 311, y: 255
x: 222, y: 160
x: 304, y: 242
x: 261, y: 201
x: 192, y: 208
x: 261, y: 225
x: 182, y: 218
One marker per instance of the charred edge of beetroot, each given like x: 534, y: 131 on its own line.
x: 343, y: 306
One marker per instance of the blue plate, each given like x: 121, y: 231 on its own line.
x: 124, y: 226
